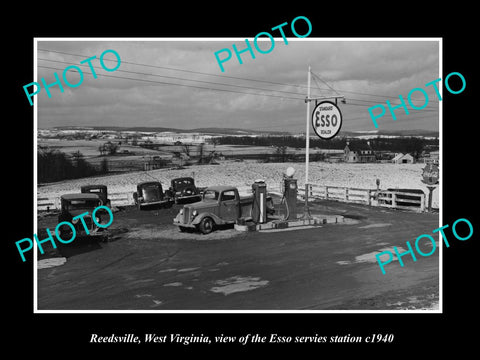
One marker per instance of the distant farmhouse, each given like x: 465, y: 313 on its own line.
x: 359, y: 153
x: 400, y: 158
x: 432, y: 158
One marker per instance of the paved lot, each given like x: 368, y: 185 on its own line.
x: 149, y: 265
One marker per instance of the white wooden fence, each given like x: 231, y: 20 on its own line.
x: 372, y: 197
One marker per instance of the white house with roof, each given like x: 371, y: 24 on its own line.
x: 400, y: 158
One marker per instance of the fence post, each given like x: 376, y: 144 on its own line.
x: 326, y: 192
x: 346, y: 194
x: 394, y: 199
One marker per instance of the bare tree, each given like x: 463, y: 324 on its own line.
x: 186, y: 150
x: 281, y: 151
x: 102, y: 149
x: 200, y: 152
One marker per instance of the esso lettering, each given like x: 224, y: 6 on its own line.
x: 274, y: 338
x: 326, y: 120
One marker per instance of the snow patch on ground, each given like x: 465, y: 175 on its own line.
x: 371, y: 257
x: 238, y: 284
x: 243, y: 174
x: 51, y: 262
x: 374, y: 226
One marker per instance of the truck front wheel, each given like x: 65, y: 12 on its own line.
x: 206, y: 225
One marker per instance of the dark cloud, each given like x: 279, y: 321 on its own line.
x: 147, y: 90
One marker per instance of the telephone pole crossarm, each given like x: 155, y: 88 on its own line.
x: 308, y: 99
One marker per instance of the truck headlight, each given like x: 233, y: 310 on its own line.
x: 75, y: 221
x: 97, y: 220
x: 181, y: 211
x: 194, y: 213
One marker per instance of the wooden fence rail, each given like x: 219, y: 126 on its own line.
x: 372, y: 197
x: 53, y: 203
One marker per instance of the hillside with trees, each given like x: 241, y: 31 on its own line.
x: 412, y: 145
x: 54, y: 165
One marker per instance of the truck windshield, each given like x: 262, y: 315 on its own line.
x: 81, y: 204
x: 210, y: 195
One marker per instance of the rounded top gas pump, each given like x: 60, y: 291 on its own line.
x: 259, y: 210
x: 290, y: 190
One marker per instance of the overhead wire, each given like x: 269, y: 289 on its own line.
x: 315, y: 77
x: 383, y: 96
x: 185, y: 85
x: 184, y: 79
x: 185, y: 70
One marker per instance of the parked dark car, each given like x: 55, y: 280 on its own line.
x: 150, y: 193
x: 100, y: 190
x: 184, y: 191
x: 75, y: 204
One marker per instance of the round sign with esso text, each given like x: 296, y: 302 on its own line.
x: 326, y: 120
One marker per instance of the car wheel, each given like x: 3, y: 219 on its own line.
x: 206, y: 225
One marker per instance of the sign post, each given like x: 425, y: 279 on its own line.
x: 306, y: 211
x: 430, y: 177
x: 338, y: 124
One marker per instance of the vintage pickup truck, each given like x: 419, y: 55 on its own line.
x: 219, y: 205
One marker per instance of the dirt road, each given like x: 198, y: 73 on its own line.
x: 149, y: 265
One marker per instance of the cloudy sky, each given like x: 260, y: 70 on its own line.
x: 178, y: 83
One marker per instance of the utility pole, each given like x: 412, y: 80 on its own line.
x: 306, y: 211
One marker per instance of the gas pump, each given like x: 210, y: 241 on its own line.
x: 259, y: 210
x: 290, y: 195
x: 290, y: 189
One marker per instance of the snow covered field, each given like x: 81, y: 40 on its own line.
x: 243, y: 174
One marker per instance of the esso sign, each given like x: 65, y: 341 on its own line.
x: 430, y: 174
x: 326, y: 120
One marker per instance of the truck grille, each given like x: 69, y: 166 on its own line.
x: 186, y: 215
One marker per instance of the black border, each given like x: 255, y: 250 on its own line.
x: 58, y: 335
x: 341, y: 119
